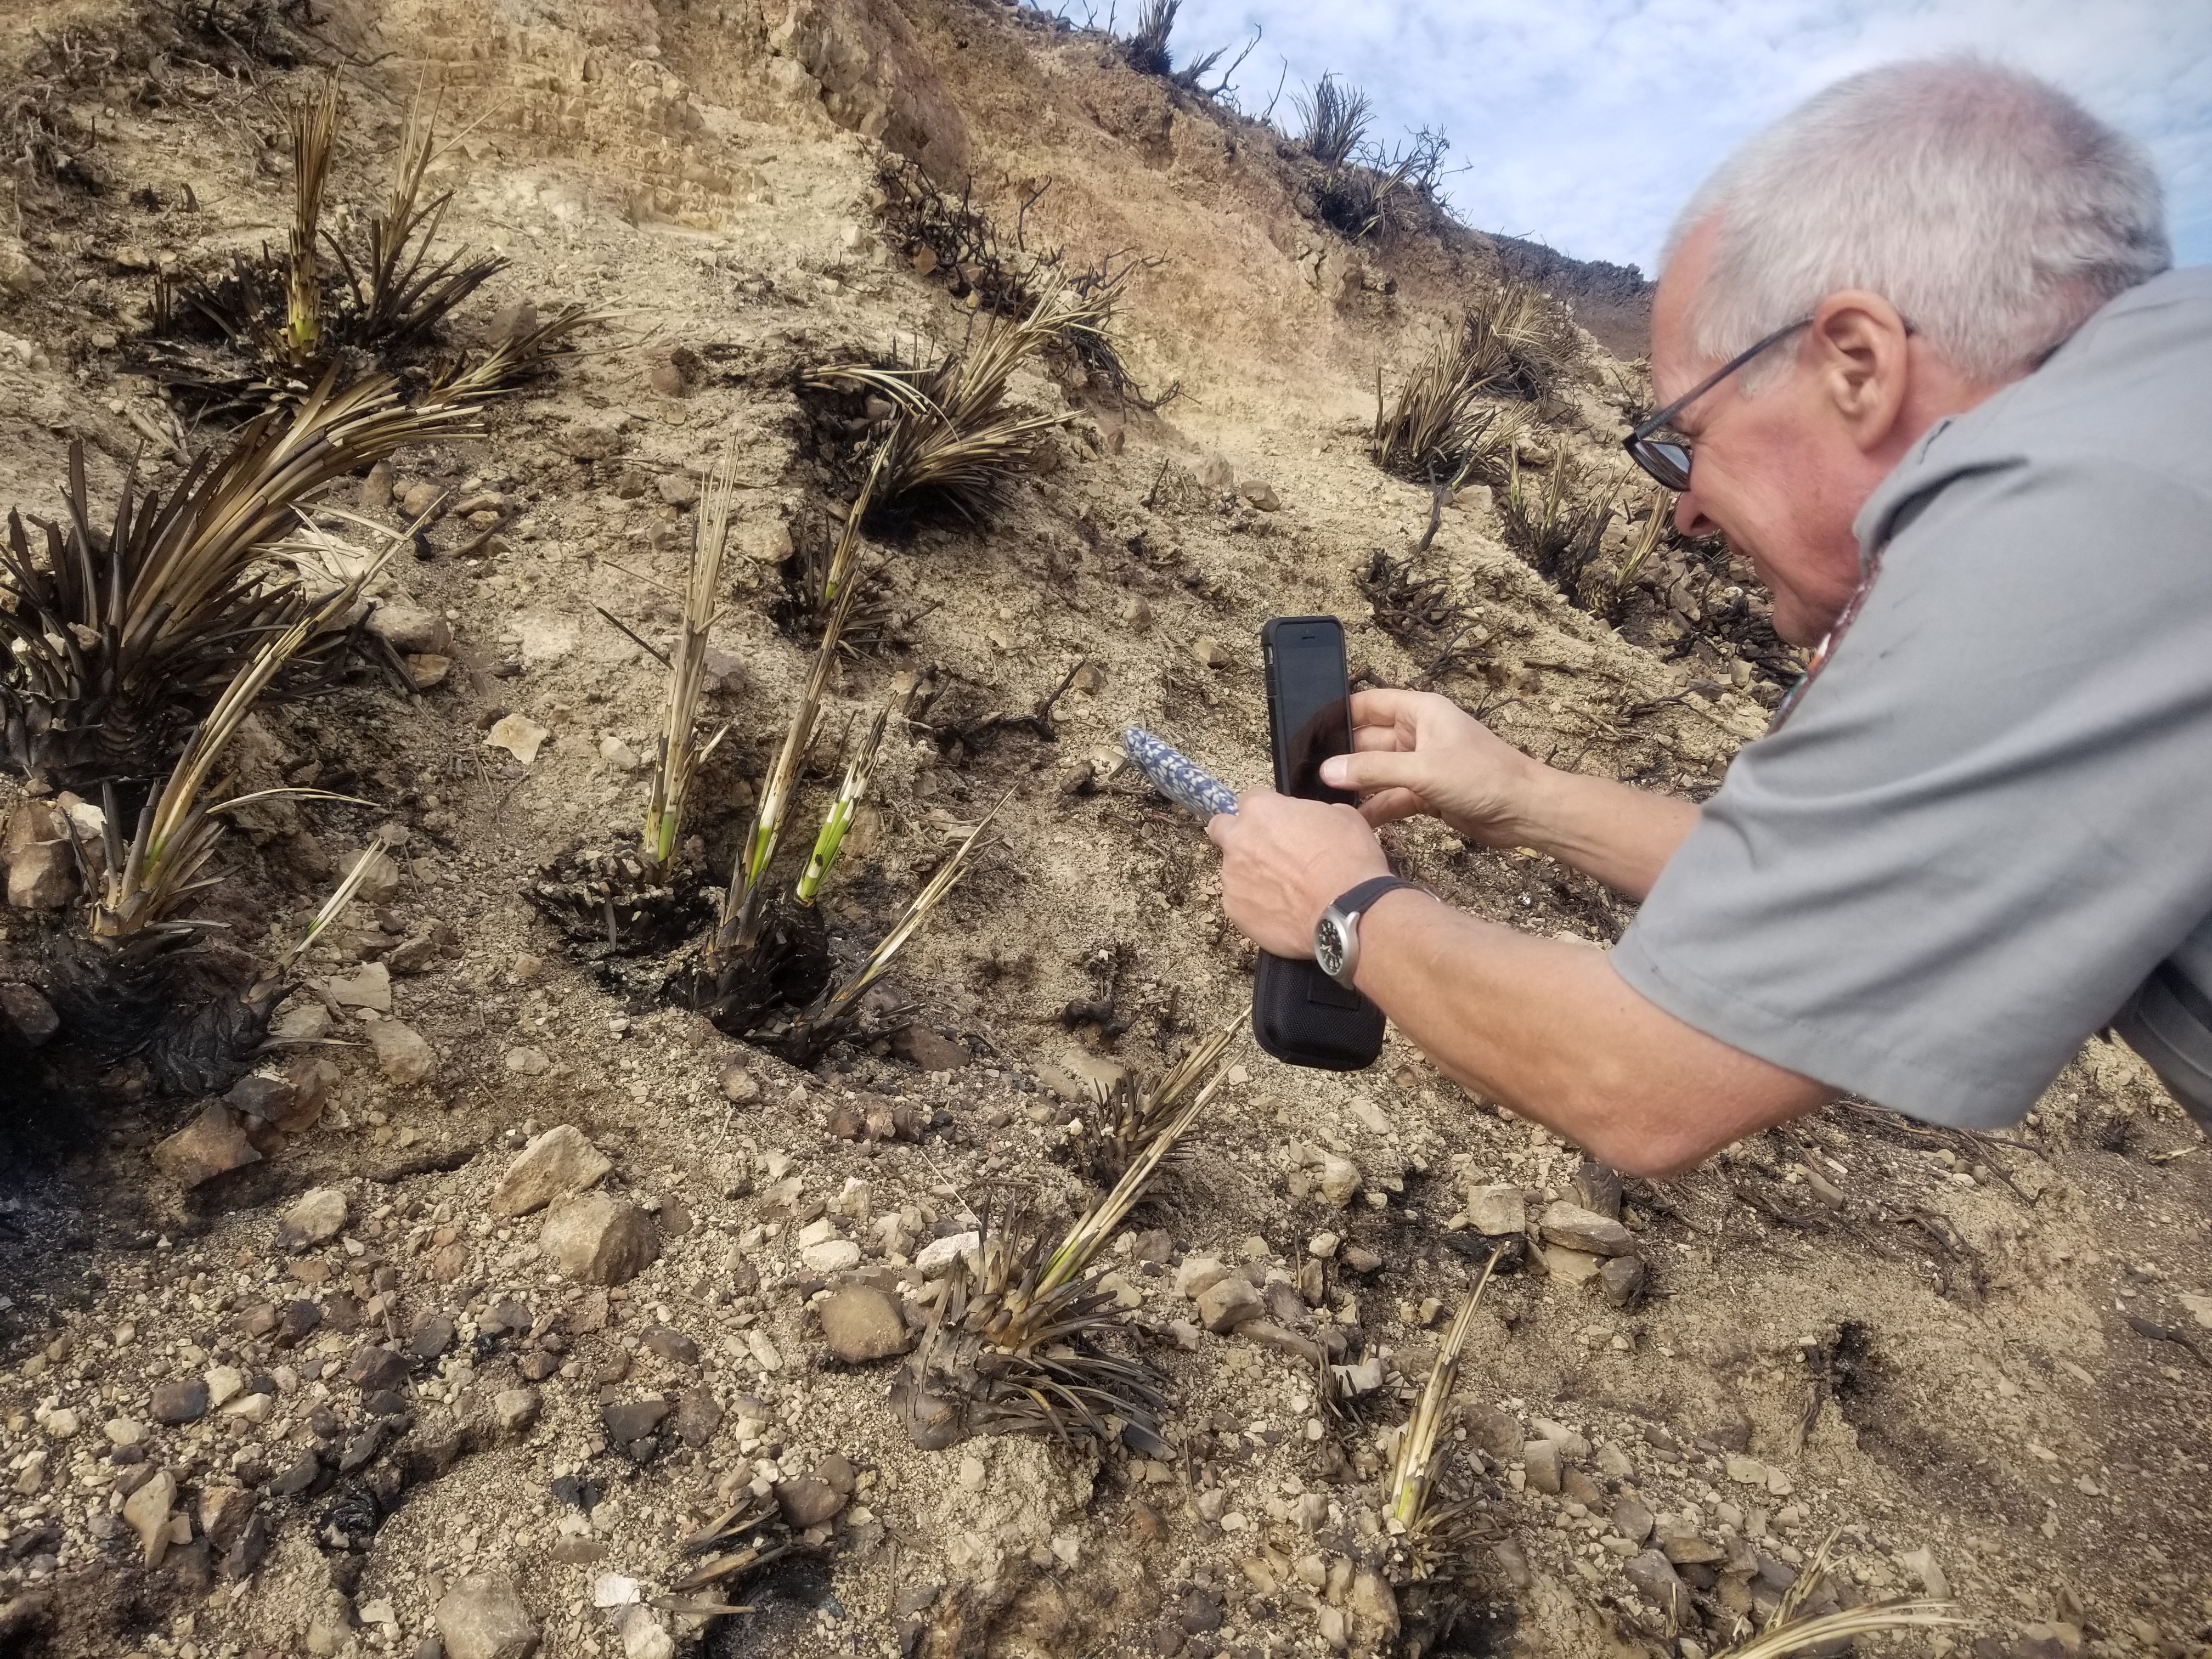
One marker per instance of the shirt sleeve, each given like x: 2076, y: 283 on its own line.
x: 1987, y: 819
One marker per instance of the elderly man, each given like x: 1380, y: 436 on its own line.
x: 1922, y: 367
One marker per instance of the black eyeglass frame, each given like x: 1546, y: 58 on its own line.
x: 1667, y: 464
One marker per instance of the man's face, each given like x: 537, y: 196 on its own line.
x: 1781, y: 482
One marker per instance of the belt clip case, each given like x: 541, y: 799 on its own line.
x: 1299, y: 1014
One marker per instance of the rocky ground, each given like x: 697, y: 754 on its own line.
x: 506, y: 1279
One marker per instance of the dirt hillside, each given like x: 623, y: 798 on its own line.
x: 337, y: 1380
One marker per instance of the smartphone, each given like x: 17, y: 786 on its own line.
x: 1299, y: 1014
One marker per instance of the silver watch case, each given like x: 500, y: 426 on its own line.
x: 1336, y: 944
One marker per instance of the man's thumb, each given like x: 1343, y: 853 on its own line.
x: 1372, y: 769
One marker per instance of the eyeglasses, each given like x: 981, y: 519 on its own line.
x: 1668, y: 460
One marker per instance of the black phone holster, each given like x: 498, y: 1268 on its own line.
x: 1303, y: 1018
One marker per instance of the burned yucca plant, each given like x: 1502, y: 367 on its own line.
x: 138, y: 977
x: 948, y: 436
x: 122, y: 636
x: 266, y: 329
x: 1336, y: 118
x: 1126, y: 1118
x: 1444, y: 426
x: 1558, y: 534
x: 1793, y: 1627
x: 628, y: 899
x: 1017, y: 1351
x: 1525, y: 340
x: 1429, y: 1537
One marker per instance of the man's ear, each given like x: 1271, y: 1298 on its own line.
x: 1861, y: 354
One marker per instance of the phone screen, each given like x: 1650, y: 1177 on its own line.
x: 1313, y: 711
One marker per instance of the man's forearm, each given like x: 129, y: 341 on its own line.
x: 1620, y: 836
x: 1550, y: 1030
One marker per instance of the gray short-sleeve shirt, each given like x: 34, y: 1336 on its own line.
x: 1988, y: 819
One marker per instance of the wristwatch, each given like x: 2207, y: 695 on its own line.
x: 1336, y: 935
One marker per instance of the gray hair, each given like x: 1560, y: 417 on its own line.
x: 1993, y: 211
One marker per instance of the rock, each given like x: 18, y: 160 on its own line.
x: 403, y: 1054
x: 426, y: 669
x: 929, y: 1050
x: 1358, y: 1259
x: 1682, y: 1545
x: 373, y: 494
x: 616, y: 754
x: 1632, y: 1519
x: 420, y: 499
x: 1542, y: 1460
x: 1137, y: 613
x: 29, y: 1014
x: 1196, y: 1272
x: 600, y: 1240
x: 1745, y: 1471
x: 265, y: 1098
x: 1921, y: 1564
x: 315, y: 1217
x: 525, y: 1061
x: 42, y: 875
x: 862, y: 1323
x: 374, y: 1367
x: 1217, y: 473
x: 224, y: 1512
x: 224, y: 1384
x: 697, y: 1416
x: 679, y: 489
x: 1493, y: 1431
x: 514, y: 321
x: 370, y: 988
x: 671, y: 1345
x: 409, y: 630
x: 1622, y: 1281
x: 1498, y: 1210
x: 515, y: 1410
x: 1260, y: 493
x: 633, y: 1420
x: 519, y: 735
x: 1211, y: 653
x: 146, y: 1512
x: 298, y: 1321
x: 482, y: 1618
x: 1655, y: 1579
x: 738, y: 1087
x: 1374, y: 1610
x: 1572, y: 1267
x: 1597, y: 1187
x: 1339, y: 1179
x: 309, y: 1022
x: 557, y: 1163
x: 212, y: 1143
x: 808, y: 1501
x: 1228, y: 1303
x: 36, y: 853
x: 1200, y: 1614
x: 1577, y: 1229
x: 643, y: 1636
x: 173, y: 1403
x: 429, y: 1335
x: 831, y: 1255
x: 939, y: 1256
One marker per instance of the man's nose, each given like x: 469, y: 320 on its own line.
x: 1690, y: 517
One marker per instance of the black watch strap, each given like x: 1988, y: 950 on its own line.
x: 1359, y: 898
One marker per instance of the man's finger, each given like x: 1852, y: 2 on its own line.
x: 1382, y: 705
x: 1390, y: 806
x: 1369, y: 769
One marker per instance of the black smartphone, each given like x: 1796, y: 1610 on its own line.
x: 1299, y: 1014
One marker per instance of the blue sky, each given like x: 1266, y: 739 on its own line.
x: 1588, y: 122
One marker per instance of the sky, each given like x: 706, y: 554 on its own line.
x: 1585, y: 123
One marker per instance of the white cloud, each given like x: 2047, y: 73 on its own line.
x: 1586, y: 123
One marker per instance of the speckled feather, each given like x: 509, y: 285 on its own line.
x: 1178, y: 776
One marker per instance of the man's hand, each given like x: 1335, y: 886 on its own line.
x: 1284, y: 861
x: 1415, y: 751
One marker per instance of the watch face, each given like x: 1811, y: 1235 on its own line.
x: 1328, y: 946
